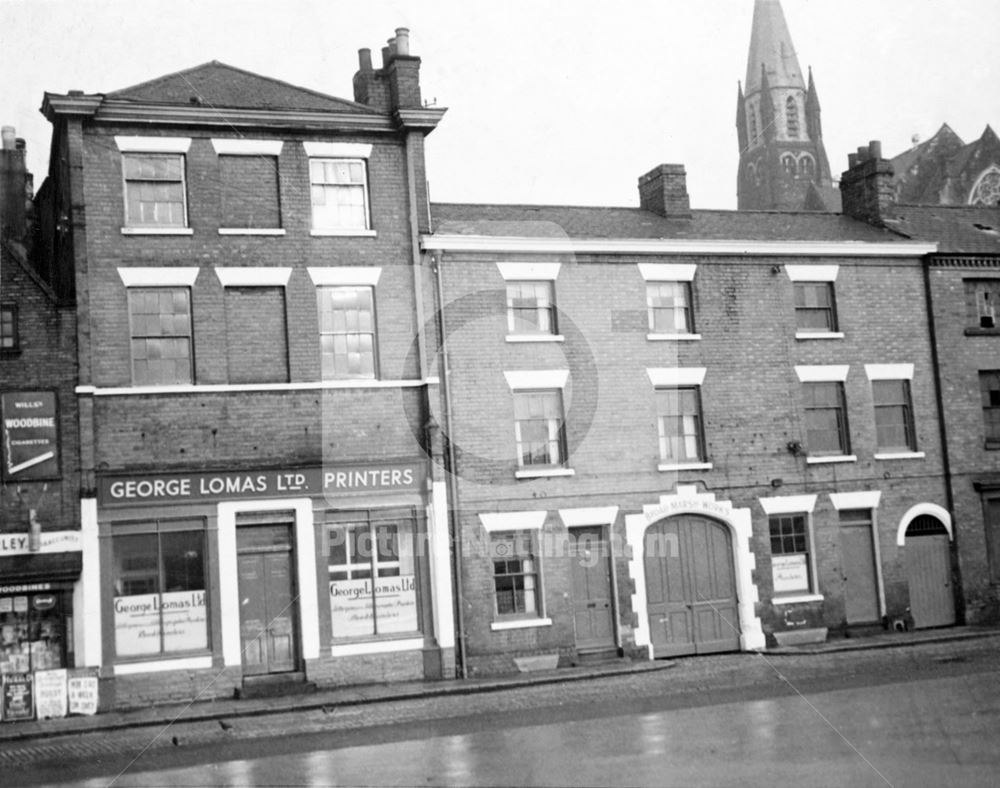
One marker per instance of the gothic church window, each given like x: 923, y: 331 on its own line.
x: 792, y: 118
x: 788, y: 165
x: 807, y: 167
x: 987, y: 188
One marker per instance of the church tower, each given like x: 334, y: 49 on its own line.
x: 783, y: 164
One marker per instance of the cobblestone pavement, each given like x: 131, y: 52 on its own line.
x: 683, y: 683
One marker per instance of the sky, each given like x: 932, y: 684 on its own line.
x: 549, y: 101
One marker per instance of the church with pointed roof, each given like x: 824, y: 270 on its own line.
x: 944, y: 170
x: 783, y: 164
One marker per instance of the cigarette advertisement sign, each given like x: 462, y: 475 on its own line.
x: 17, y: 701
x: 30, y: 435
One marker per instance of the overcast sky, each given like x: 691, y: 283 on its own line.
x: 549, y: 101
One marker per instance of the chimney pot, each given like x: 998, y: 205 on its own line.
x: 9, y: 137
x: 386, y: 56
x: 402, y: 41
x: 852, y: 160
x: 863, y: 154
x: 875, y: 149
x: 364, y: 59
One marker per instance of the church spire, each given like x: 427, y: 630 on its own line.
x: 783, y: 164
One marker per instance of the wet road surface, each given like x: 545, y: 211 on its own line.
x: 738, y: 721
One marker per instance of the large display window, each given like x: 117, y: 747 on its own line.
x: 372, y: 573
x: 32, y: 632
x: 160, y: 604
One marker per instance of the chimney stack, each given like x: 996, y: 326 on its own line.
x: 394, y: 86
x: 14, y: 186
x: 663, y: 191
x: 866, y: 187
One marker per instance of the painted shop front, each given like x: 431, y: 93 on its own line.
x: 319, y: 575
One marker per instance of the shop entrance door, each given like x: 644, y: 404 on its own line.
x: 690, y: 587
x: 591, y: 571
x: 268, y: 610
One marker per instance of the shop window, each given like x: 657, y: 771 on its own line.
x: 531, y: 308
x: 347, y: 332
x: 516, y: 580
x: 815, y: 307
x: 790, y: 553
x: 372, y: 574
x: 668, y: 306
x: 894, y: 428
x: 161, y: 335
x: 826, y: 419
x: 679, y: 421
x: 9, y: 342
x: 154, y: 190
x: 539, y: 429
x: 250, y: 192
x: 159, y: 588
x: 989, y: 386
x: 32, y: 632
x: 339, y: 189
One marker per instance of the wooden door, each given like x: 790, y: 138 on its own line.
x: 593, y: 613
x: 928, y: 573
x: 690, y: 587
x: 267, y: 600
x: 857, y: 555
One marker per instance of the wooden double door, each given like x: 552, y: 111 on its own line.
x: 268, y: 608
x: 690, y: 587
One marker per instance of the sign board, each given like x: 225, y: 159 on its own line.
x: 354, y: 611
x: 82, y: 695
x: 51, y: 699
x: 17, y: 701
x: 790, y: 573
x: 151, y: 623
x: 227, y: 485
x: 51, y: 542
x: 30, y: 435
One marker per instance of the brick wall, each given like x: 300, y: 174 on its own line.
x: 752, y: 409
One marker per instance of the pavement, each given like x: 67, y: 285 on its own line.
x: 327, y: 699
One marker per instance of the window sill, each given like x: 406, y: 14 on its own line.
x: 157, y: 231
x: 251, y: 231
x: 900, y: 455
x: 542, y: 473
x: 535, y: 338
x: 341, y: 233
x: 524, y: 623
x: 796, y: 599
x: 161, y: 663
x: 834, y: 458
x: 684, y: 466
x: 673, y: 337
x: 387, y: 645
x: 982, y: 332
x: 819, y: 335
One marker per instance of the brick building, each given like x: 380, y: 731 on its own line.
x: 963, y: 292
x: 705, y: 429
x: 258, y: 506
x: 40, y: 545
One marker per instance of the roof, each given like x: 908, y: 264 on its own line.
x: 217, y: 84
x: 582, y: 222
x: 958, y: 229
x: 771, y: 44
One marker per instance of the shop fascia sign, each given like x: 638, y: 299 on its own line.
x: 30, y: 435
x: 229, y: 485
x: 51, y: 542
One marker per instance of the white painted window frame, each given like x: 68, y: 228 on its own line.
x: 815, y: 273
x: 342, y: 150
x: 653, y: 273
x: 508, y: 522
x: 796, y: 504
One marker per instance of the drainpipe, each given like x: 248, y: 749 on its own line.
x: 959, y: 595
x: 454, y: 523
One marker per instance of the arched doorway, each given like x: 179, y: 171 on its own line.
x: 928, y: 572
x: 691, y: 600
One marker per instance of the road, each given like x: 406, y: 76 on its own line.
x: 926, y: 715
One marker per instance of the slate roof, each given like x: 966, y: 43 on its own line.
x: 557, y: 221
x: 958, y: 229
x: 217, y: 84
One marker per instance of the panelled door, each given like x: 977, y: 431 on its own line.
x: 690, y: 587
x: 268, y: 612
x: 591, y: 571
x: 857, y: 556
x: 928, y: 573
